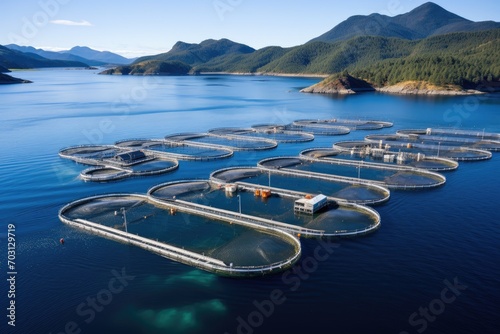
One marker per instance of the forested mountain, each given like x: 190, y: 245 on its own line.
x: 426, y: 20
x: 193, y: 54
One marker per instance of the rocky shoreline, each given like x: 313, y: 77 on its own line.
x: 347, y: 85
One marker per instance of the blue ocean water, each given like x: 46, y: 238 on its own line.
x: 396, y: 280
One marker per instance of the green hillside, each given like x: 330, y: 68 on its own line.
x: 243, y: 63
x: 424, y: 21
x: 201, y: 53
x: 464, y: 59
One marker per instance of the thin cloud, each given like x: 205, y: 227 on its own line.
x: 72, y: 23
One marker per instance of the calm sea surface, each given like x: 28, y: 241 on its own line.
x: 396, y: 280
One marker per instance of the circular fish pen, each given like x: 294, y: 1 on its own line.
x: 233, y: 142
x: 178, y: 150
x: 352, y: 124
x: 452, y: 132
x: 277, y: 210
x: 338, y: 189
x: 225, y: 246
x: 115, y: 163
x: 393, y: 177
x: 319, y: 129
x: 376, y: 155
x: 104, y: 174
x: 473, y: 140
x: 459, y: 153
x: 488, y: 145
x: 89, y: 154
x: 276, y: 134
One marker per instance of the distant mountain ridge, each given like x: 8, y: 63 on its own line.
x: 424, y: 21
x: 105, y: 57
x: 80, y: 54
x: 17, y: 59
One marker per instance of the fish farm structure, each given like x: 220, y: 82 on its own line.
x: 393, y: 143
x: 452, y: 133
x: 275, y: 208
x: 276, y: 134
x: 336, y: 188
x: 325, y: 127
x: 181, y: 151
x: 114, y: 163
x: 352, y: 124
x: 440, y: 141
x: 367, y: 154
x: 391, y: 176
x: 323, y: 130
x: 231, y: 141
x: 225, y: 244
x: 248, y: 221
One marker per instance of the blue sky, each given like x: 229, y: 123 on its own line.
x: 134, y: 28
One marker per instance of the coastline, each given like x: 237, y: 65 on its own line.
x: 420, y: 88
x: 428, y: 92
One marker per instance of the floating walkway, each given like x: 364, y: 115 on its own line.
x: 377, y: 155
x: 275, y: 210
x: 391, y: 176
x: 394, y: 143
x: 114, y: 163
x: 336, y: 188
x: 178, y: 150
x: 276, y: 134
x: 225, y: 244
x: 223, y: 141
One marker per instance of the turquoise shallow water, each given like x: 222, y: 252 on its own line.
x: 370, y: 284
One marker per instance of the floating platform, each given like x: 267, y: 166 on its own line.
x: 233, y: 142
x: 393, y: 177
x: 277, y: 134
x: 277, y: 210
x: 395, y: 144
x: 376, y: 155
x: 178, y: 150
x: 115, y: 163
x: 352, y: 124
x: 337, y: 188
x: 223, y: 244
